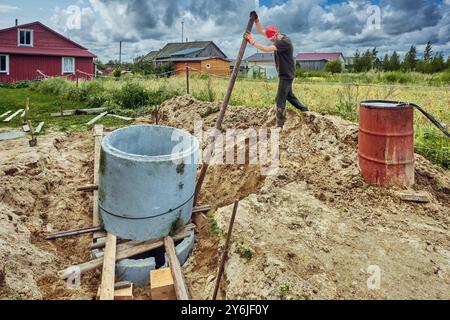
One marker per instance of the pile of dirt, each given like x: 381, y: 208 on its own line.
x: 37, y: 197
x: 309, y: 231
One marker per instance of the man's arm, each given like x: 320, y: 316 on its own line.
x: 271, y: 48
x: 259, y: 27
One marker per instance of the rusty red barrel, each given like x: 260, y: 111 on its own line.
x: 386, y: 143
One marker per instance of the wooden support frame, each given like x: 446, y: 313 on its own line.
x: 109, y: 269
x: 181, y: 289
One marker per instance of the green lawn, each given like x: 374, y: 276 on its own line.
x: 41, y: 108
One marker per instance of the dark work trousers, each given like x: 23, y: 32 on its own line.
x: 285, y: 93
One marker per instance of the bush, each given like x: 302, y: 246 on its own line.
x: 99, y: 100
x: 131, y: 96
x: 333, y: 66
x: 117, y: 73
x: 52, y: 86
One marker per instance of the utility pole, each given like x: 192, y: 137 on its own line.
x: 182, y: 31
x: 120, y: 53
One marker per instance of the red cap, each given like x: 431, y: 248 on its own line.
x: 271, y: 31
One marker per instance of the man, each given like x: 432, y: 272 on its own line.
x: 285, y: 63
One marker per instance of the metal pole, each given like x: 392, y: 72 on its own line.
x: 120, y: 53
x: 187, y: 78
x: 226, y: 100
x: 225, y: 250
x: 182, y: 31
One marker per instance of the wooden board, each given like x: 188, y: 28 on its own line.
x: 121, y: 294
x: 162, y: 285
x: 127, y: 250
x: 79, y: 112
x: 120, y: 117
x: 414, y: 197
x: 13, y: 115
x: 181, y: 289
x: 97, y: 118
x: 109, y: 268
x: 39, y: 127
x: 5, y: 114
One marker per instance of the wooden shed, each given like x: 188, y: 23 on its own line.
x: 208, y: 65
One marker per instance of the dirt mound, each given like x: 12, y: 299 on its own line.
x: 37, y: 197
x: 309, y: 231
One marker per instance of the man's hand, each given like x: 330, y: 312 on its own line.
x: 249, y: 38
x: 256, y: 15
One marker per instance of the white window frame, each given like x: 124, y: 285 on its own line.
x: 7, y: 64
x: 31, y: 38
x: 62, y: 65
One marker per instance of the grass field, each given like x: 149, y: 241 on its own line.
x: 337, y: 99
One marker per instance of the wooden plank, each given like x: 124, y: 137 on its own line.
x: 39, y: 127
x: 120, y: 117
x: 161, y: 285
x: 125, y: 251
x: 414, y: 197
x: 97, y: 118
x: 5, y: 114
x: 88, y: 188
x: 98, y: 137
x: 179, y: 282
x: 109, y: 269
x: 125, y: 293
x: 13, y: 115
x: 76, y: 112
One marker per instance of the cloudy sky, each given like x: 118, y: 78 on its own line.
x: 313, y: 25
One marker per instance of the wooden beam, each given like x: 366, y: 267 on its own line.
x: 13, y: 115
x: 127, y: 250
x: 109, y: 268
x: 181, y: 289
x: 120, y: 117
x: 5, y: 114
x: 88, y: 188
x: 39, y: 127
x: 77, y: 112
x: 97, y: 118
x: 162, y: 285
x: 414, y: 197
x: 121, y: 293
x: 98, y: 137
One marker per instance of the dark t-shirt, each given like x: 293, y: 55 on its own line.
x: 284, y: 58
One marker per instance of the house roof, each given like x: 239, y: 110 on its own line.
x: 319, y: 56
x: 177, y: 47
x: 175, y: 59
x: 261, y: 57
x: 186, y: 51
x: 75, y: 52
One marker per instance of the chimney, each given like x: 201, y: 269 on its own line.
x: 17, y: 22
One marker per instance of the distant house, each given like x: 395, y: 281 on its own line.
x: 201, y: 56
x: 29, y: 51
x: 317, y: 61
x: 261, y: 65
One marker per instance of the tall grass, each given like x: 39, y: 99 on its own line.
x: 136, y: 97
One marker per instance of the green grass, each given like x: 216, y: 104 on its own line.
x: 41, y: 108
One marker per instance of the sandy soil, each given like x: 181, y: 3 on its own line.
x: 308, y: 232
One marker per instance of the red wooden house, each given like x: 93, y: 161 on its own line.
x: 32, y: 51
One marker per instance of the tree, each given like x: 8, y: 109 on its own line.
x: 438, y: 63
x: 394, y: 62
x: 385, y: 62
x: 334, y: 66
x: 410, y: 60
x: 428, y: 53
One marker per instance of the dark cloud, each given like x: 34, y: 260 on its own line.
x: 314, y: 25
x: 406, y: 16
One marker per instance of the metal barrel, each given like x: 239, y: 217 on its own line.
x: 147, y: 181
x: 386, y: 143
